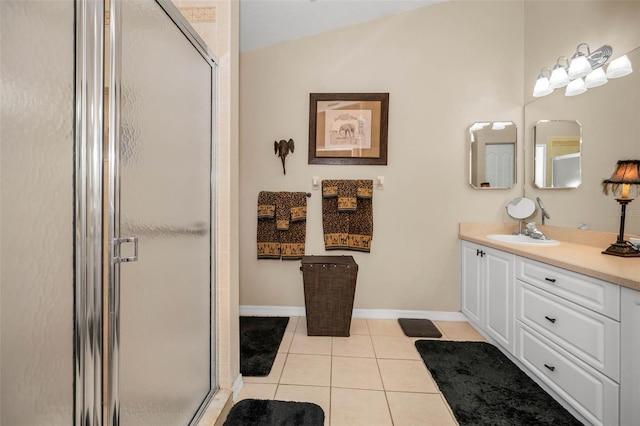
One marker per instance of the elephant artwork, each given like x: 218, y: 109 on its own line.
x: 347, y: 130
x: 282, y: 149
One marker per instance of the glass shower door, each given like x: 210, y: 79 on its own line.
x: 163, y: 88
x: 37, y: 243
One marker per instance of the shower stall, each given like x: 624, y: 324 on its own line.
x: 107, y: 179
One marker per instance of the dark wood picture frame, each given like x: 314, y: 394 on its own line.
x: 348, y: 128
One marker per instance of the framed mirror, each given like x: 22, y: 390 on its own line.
x: 557, y: 156
x: 492, y: 154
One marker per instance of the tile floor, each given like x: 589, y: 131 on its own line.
x: 375, y: 377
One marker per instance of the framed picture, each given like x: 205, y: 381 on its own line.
x: 348, y: 128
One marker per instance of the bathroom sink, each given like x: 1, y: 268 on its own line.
x: 520, y: 239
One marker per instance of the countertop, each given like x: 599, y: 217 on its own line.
x: 577, y: 251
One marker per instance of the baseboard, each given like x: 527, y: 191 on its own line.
x: 217, y: 409
x: 272, y: 311
x: 299, y: 311
x: 237, y: 387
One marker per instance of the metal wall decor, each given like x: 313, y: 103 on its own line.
x: 282, y: 149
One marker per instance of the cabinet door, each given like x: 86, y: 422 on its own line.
x: 470, y: 278
x: 499, y: 277
x: 630, y: 357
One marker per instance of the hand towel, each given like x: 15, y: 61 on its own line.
x: 266, y: 205
x: 335, y: 224
x: 267, y: 234
x: 361, y: 221
x: 347, y: 192
x: 283, y: 210
x: 292, y: 240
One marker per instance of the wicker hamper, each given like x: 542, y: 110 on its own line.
x: 329, y: 289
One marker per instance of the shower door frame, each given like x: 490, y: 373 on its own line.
x: 112, y: 404
x: 88, y: 214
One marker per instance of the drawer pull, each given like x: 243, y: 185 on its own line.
x: 551, y: 280
x: 552, y: 320
x: 550, y: 367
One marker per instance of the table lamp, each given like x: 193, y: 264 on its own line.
x: 627, y: 173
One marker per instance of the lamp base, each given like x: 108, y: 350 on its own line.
x: 624, y: 249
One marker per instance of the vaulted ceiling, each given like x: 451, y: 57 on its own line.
x: 266, y: 22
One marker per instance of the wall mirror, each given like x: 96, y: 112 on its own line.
x: 492, y: 154
x: 557, y: 158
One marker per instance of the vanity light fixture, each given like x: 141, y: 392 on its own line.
x: 627, y: 173
x: 583, y: 72
x: 478, y: 126
x: 501, y: 125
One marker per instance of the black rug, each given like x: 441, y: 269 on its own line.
x: 419, y: 327
x: 262, y: 412
x: 484, y: 387
x: 260, y: 339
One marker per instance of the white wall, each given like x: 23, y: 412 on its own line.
x: 445, y: 66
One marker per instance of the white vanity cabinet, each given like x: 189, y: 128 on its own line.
x: 568, y: 334
x: 579, y: 336
x: 487, y: 291
x: 630, y: 358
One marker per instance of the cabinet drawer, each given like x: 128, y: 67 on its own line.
x: 591, y: 393
x: 588, y: 335
x: 592, y: 293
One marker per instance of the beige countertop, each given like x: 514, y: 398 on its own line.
x: 579, y: 251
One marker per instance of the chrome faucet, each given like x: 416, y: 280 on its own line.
x: 545, y: 215
x: 534, y: 232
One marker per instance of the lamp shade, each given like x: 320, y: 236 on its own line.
x: 595, y: 78
x: 619, y: 67
x: 627, y: 173
x: 542, y: 87
x: 559, y: 77
x: 576, y: 87
x: 579, y: 67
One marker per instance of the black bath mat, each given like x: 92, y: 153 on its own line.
x: 419, y: 327
x: 260, y: 339
x: 483, y: 386
x: 262, y: 412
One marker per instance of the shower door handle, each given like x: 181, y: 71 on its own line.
x: 118, y: 243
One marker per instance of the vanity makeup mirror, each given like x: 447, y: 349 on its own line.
x: 492, y: 154
x: 521, y: 208
x: 557, y: 157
